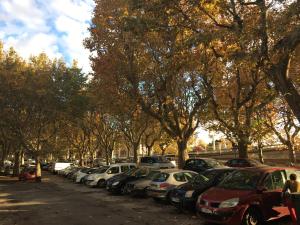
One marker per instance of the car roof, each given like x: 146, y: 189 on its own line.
x: 122, y: 164
x: 175, y: 170
x: 264, y: 169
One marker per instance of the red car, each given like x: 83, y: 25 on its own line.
x: 28, y: 173
x: 239, y: 162
x: 246, y: 196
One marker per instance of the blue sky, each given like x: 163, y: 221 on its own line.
x: 56, y: 27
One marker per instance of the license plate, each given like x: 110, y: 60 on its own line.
x: 205, y: 210
x: 175, y: 200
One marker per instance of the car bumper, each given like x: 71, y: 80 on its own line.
x: 232, y: 216
x: 91, y: 183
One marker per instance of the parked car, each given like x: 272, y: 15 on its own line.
x: 239, y: 162
x: 246, y: 196
x: 201, y: 164
x: 139, y: 187
x: 82, y: 173
x: 28, y: 173
x: 99, y: 177
x: 117, y: 184
x: 158, y: 162
x: 164, y: 182
x: 57, y: 166
x: 185, y: 196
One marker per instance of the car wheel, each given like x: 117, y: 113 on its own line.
x: 101, y: 183
x: 123, y: 190
x: 252, y: 217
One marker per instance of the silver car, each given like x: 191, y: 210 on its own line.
x: 139, y: 187
x: 164, y: 182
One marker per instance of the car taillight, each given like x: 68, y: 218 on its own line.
x: 164, y: 185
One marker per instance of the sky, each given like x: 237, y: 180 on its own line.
x: 55, y: 27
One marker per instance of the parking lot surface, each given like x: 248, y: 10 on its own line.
x: 57, y: 201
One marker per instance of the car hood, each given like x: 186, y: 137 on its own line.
x: 217, y: 194
x: 192, y: 186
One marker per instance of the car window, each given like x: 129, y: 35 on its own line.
x: 132, y: 166
x: 189, y: 176
x: 190, y: 162
x: 179, y: 177
x: 221, y: 176
x: 141, y: 172
x: 241, y: 180
x: 113, y: 170
x: 161, y: 177
x: 275, y: 180
x: 124, y: 168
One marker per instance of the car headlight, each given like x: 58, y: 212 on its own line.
x: 115, y: 183
x: 229, y: 203
x: 189, y: 194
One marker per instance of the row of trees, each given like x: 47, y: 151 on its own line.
x: 51, y: 110
x: 161, y: 69
x: 223, y: 64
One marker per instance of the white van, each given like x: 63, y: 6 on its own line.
x: 60, y: 166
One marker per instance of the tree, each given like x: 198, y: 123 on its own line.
x: 280, y: 119
x: 152, y: 64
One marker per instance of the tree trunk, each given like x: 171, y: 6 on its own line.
x: 181, y: 144
x: 292, y: 153
x: 148, y: 150
x: 38, y: 169
x: 106, y: 157
x: 163, y: 151
x: 260, y: 154
x: 243, y: 149
x: 135, y: 152
x: 16, y: 171
x: 284, y: 85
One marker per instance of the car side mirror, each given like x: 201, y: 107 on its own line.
x: 261, y: 189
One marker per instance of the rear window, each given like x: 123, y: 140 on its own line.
x: 161, y: 177
x: 152, y: 174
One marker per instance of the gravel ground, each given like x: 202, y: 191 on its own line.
x: 57, y: 201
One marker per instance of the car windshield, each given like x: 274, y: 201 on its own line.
x: 162, y: 159
x: 200, y: 179
x: 152, y: 174
x: 131, y: 171
x: 161, y: 177
x: 85, y: 170
x: 241, y: 180
x: 213, y: 163
x: 255, y: 162
x: 102, y: 169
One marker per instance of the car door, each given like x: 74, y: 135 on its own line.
x: 112, y: 171
x: 271, y: 197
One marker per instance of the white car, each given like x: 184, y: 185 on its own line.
x: 164, y: 182
x: 61, y: 166
x: 82, y: 173
x: 99, y: 177
x: 157, y: 162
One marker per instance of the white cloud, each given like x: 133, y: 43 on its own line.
x: 56, y: 27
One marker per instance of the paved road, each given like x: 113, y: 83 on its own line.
x: 57, y: 201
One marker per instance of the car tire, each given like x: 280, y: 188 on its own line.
x: 252, y: 217
x: 101, y: 183
x: 123, y: 190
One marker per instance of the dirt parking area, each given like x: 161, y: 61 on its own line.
x: 57, y: 201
